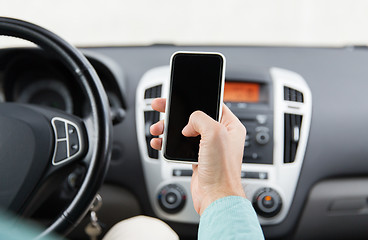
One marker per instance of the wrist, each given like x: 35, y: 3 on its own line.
x: 210, y: 198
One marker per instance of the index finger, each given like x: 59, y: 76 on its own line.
x: 159, y: 104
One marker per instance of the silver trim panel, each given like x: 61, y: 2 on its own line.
x: 282, y: 177
x: 69, y: 157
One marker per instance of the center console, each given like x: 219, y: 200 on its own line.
x: 274, y: 104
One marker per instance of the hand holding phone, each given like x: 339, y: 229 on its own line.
x: 196, y: 83
x: 220, y: 153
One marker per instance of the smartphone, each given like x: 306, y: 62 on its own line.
x: 196, y: 83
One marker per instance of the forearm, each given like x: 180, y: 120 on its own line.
x: 230, y: 217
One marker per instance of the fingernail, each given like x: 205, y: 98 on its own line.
x: 151, y: 127
x: 184, y: 129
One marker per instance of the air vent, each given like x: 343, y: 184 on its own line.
x: 150, y: 117
x: 293, y: 95
x: 291, y: 136
x: 153, y: 92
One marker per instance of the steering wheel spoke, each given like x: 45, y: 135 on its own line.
x: 69, y: 136
x: 29, y: 128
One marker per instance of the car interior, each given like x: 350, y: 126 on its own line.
x: 75, y: 122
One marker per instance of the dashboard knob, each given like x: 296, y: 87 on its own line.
x: 171, y: 198
x: 267, y: 202
x: 262, y: 138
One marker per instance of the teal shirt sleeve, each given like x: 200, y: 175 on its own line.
x: 230, y: 217
x: 13, y: 228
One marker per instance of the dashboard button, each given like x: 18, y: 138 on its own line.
x: 254, y: 175
x: 263, y: 175
x: 261, y: 119
x: 242, y: 105
x: 267, y: 202
x: 252, y: 156
x: 182, y: 172
x: 171, y: 198
x: 262, y: 129
x: 262, y: 138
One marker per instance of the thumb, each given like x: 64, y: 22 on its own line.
x: 199, y: 123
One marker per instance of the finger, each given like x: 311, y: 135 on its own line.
x: 227, y: 114
x: 156, y: 143
x: 159, y: 104
x: 157, y: 128
x: 199, y: 123
x: 229, y: 119
x: 195, y: 169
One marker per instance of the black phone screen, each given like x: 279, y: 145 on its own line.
x: 196, y: 83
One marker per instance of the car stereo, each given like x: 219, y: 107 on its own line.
x: 249, y: 100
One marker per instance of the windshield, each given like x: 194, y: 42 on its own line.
x: 198, y: 22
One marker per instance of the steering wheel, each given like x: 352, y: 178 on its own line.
x: 39, y: 145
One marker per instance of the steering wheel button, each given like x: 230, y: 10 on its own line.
x: 60, y: 129
x: 61, y: 151
x: 71, y: 130
x: 73, y: 149
x: 73, y: 140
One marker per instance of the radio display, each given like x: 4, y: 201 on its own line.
x: 242, y: 92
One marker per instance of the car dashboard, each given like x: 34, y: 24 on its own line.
x: 305, y: 162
